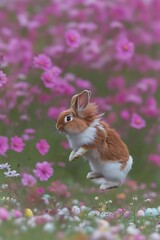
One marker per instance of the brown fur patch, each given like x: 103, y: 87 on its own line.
x: 110, y: 146
x: 89, y: 114
x: 90, y: 146
x: 77, y: 125
x: 115, y: 147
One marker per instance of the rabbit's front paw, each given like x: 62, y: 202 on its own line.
x: 81, y: 151
x: 71, y: 156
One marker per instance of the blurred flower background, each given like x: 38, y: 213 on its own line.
x: 49, y: 51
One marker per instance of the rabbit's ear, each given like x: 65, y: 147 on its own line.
x: 74, y: 102
x: 83, y: 100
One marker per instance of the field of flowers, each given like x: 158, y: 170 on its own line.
x: 49, y: 51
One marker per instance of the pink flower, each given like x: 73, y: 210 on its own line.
x: 4, y: 214
x: 53, y: 112
x: 48, y: 79
x: 16, y: 213
x: 29, y: 131
x: 72, y: 38
x: 17, y: 144
x: 61, y: 164
x: 133, y: 98
x: 56, y: 71
x: 65, y: 144
x: 43, y: 171
x: 3, y: 79
x: 42, y: 219
x: 28, y: 134
x: 59, y: 189
x: 117, y: 82
x: 155, y: 158
x: 84, y: 84
x: 3, y: 145
x: 42, y: 61
x: 124, y: 49
x: 137, y: 121
x: 148, y: 84
x: 127, y: 214
x: 125, y: 114
x: 28, y: 180
x: 42, y: 146
x: 40, y: 190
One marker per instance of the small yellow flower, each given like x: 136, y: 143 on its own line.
x: 102, y: 207
x: 28, y: 212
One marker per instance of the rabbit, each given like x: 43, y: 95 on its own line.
x: 93, y: 139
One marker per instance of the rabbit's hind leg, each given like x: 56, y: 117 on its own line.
x: 92, y: 175
x: 109, y: 185
x: 98, y: 179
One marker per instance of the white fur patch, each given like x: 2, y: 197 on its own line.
x: 110, y: 170
x: 86, y: 137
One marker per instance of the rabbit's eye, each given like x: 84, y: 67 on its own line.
x: 68, y: 118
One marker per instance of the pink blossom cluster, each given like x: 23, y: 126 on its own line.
x: 43, y: 171
x: 17, y: 144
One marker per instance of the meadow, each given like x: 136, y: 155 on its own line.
x: 51, y: 50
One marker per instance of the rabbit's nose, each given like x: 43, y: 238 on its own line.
x: 59, y: 127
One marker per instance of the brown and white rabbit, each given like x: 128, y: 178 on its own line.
x: 93, y: 139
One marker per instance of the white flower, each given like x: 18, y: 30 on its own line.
x: 11, y: 173
x: 135, y: 198
x: 132, y: 230
x: 140, y: 213
x: 47, y: 217
x: 76, y: 218
x: 155, y: 236
x: 75, y: 201
x: 84, y: 208
x: 4, y: 166
x: 94, y: 213
x: 62, y: 211
x: 19, y: 221
x: 49, y: 227
x: 31, y: 222
x: 104, y: 214
x: 75, y: 210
